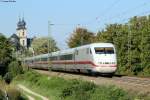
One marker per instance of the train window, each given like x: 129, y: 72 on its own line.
x: 62, y: 57
x: 43, y: 59
x: 37, y: 59
x: 69, y: 57
x: 109, y: 50
x: 53, y: 58
x: 100, y: 50
x: 66, y: 57
x: 106, y: 50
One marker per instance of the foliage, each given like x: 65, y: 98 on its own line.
x: 110, y: 93
x: 78, y: 90
x: 5, y: 54
x: 132, y: 45
x: 8, y: 77
x: 132, y: 42
x: 60, y: 89
x: 40, y: 45
x: 80, y: 37
x: 15, y: 68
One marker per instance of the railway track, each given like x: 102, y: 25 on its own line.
x: 135, y: 84
x: 134, y: 80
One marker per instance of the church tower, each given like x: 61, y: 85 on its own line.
x: 22, y: 32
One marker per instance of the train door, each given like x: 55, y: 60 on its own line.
x: 76, y: 53
x: 73, y: 58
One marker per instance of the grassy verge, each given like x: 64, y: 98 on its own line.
x: 28, y: 94
x: 57, y: 88
x: 12, y: 92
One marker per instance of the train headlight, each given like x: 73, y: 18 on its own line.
x: 106, y: 62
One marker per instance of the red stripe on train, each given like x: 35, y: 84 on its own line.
x: 78, y: 62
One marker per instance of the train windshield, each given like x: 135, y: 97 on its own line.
x: 104, y: 50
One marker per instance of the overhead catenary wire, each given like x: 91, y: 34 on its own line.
x: 107, y: 19
x: 103, y: 13
x: 142, y: 13
x: 118, y: 15
x: 126, y: 12
x: 96, y: 18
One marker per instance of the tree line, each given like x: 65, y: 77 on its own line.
x: 11, y: 53
x: 132, y: 42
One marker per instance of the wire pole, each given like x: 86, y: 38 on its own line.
x: 48, y: 38
x: 49, y: 43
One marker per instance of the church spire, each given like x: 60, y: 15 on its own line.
x: 19, y: 18
x: 21, y: 24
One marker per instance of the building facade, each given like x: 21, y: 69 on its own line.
x: 21, y: 32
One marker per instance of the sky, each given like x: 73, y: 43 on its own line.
x: 67, y: 15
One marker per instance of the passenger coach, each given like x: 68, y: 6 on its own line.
x: 92, y: 58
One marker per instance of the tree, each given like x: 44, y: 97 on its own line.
x: 132, y: 41
x: 5, y: 53
x: 80, y: 37
x: 116, y: 34
x: 40, y: 45
x: 15, y: 68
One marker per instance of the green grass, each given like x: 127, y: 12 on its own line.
x: 57, y: 88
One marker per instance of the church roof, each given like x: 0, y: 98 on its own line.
x: 21, y: 24
x: 14, y: 40
x: 14, y: 36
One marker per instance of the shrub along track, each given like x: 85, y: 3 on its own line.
x: 132, y: 84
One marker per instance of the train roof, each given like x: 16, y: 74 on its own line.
x: 96, y: 45
x: 70, y: 51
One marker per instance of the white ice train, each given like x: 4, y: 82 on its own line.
x: 92, y: 58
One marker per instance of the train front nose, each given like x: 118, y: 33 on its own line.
x: 106, y: 64
x: 105, y: 59
x: 105, y: 68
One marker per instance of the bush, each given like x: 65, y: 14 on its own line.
x: 61, y: 89
x: 1, y: 78
x: 15, y: 68
x: 110, y: 93
x: 78, y: 90
x: 81, y: 90
x: 8, y: 77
